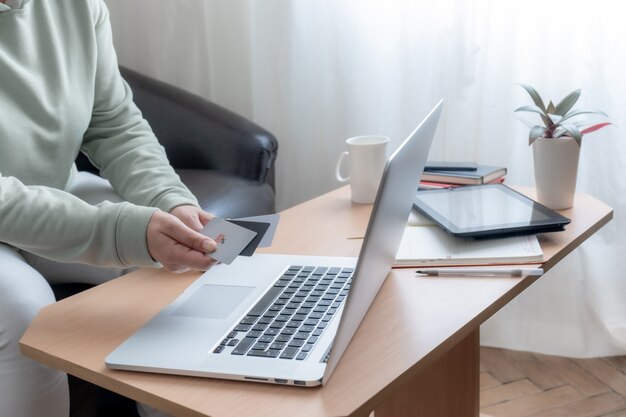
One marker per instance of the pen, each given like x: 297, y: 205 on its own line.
x: 481, y: 272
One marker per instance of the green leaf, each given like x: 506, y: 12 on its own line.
x: 551, y: 108
x: 533, y: 109
x: 535, y: 133
x: 539, y: 111
x: 573, y: 132
x: 567, y: 103
x: 535, y: 96
x: 560, y: 131
x: 556, y: 119
x: 582, y: 111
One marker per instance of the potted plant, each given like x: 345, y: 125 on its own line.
x: 556, y: 146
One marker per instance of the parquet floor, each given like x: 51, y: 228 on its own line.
x: 521, y: 384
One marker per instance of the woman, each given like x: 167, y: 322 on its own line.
x: 61, y: 93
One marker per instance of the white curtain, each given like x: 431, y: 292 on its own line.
x: 315, y: 72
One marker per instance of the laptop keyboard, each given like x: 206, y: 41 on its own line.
x: 290, y: 318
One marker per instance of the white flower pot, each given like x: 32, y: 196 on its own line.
x: 556, y: 167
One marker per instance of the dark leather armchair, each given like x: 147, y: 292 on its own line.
x: 224, y: 159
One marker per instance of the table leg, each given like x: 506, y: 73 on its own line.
x: 447, y: 388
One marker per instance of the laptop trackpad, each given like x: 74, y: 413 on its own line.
x: 213, y: 301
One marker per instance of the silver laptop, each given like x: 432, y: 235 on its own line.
x: 274, y: 318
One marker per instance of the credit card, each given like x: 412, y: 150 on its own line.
x: 231, y: 239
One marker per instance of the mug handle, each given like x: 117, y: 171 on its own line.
x: 338, y: 169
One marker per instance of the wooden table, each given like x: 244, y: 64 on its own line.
x: 416, y: 352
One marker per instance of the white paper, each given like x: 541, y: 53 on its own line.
x: 431, y: 245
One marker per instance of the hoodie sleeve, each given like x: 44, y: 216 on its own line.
x: 119, y: 140
x: 57, y: 225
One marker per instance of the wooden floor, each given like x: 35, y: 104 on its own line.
x: 516, y: 384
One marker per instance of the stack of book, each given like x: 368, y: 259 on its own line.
x: 451, y: 175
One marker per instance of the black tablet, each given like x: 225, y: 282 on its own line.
x: 492, y: 210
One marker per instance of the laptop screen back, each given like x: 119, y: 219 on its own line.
x: 386, y: 225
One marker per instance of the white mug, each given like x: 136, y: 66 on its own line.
x: 367, y: 155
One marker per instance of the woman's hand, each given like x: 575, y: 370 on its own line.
x: 192, y: 216
x: 175, y: 242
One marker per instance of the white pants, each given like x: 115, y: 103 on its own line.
x: 27, y: 388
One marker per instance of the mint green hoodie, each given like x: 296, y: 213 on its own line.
x: 61, y: 93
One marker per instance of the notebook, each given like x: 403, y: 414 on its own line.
x: 425, y: 244
x: 482, y: 175
x: 273, y: 318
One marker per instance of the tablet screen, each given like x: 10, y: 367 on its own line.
x: 486, y: 209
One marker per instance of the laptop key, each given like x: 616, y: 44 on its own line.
x: 264, y: 353
x: 289, y: 353
x: 296, y: 343
x: 243, y: 346
x: 283, y: 317
x: 277, y: 325
x: 267, y: 339
x: 283, y: 338
x: 301, y: 356
x: 248, y: 320
x: 277, y: 346
x: 218, y: 349
x: 259, y: 346
x: 271, y: 332
x: 232, y: 342
x: 242, y: 328
x: 273, y: 353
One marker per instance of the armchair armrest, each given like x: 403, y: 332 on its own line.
x: 198, y: 134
